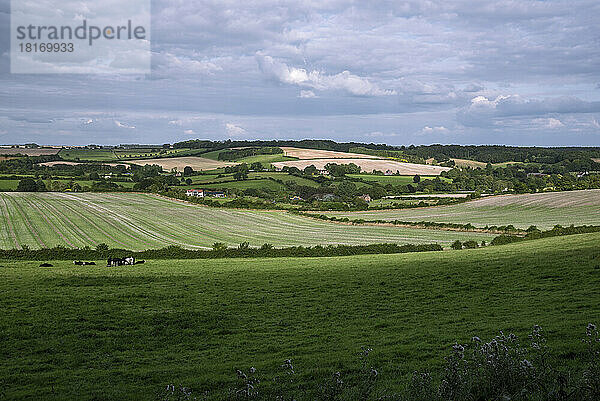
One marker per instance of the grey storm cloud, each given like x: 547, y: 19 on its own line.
x: 402, y: 72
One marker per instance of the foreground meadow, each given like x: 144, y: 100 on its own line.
x: 124, y: 333
x: 143, y: 221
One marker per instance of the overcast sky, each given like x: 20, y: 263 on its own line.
x: 516, y: 72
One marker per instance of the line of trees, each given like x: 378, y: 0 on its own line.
x: 219, y: 250
x: 235, y: 154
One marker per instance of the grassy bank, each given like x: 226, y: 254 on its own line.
x: 121, y: 333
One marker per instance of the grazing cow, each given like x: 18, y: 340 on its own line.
x: 111, y: 262
x: 80, y: 263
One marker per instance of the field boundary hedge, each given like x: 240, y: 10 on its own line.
x: 557, y: 231
x: 219, y: 251
x: 509, y: 229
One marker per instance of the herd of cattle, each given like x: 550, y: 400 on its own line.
x: 111, y: 262
x: 128, y: 261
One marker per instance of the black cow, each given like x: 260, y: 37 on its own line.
x: 111, y: 262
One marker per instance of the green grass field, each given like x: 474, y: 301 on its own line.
x: 245, y: 184
x: 8, y: 185
x: 125, y: 333
x: 143, y: 221
x: 111, y: 155
x: 207, y: 180
x: 543, y: 210
x: 103, y: 155
x: 394, y: 179
x: 284, y: 177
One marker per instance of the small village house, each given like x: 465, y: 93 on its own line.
x: 199, y: 193
x: 365, y: 197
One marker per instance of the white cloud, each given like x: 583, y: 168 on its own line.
x: 379, y: 134
x: 550, y: 123
x: 189, y: 132
x: 234, y: 130
x: 485, y: 111
x: 123, y: 125
x: 430, y: 130
x: 307, y: 94
x: 345, y: 81
x: 176, y: 66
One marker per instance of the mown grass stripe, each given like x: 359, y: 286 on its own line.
x: 109, y: 222
x: 9, y: 224
x: 34, y: 204
x: 25, y: 220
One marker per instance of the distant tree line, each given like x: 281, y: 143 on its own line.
x: 235, y: 154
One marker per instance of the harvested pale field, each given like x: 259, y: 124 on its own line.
x: 596, y: 160
x: 461, y: 195
x: 29, y: 152
x: 197, y: 163
x: 143, y: 221
x: 543, y: 210
x: 468, y: 163
x: 303, y: 154
x: 368, y: 165
x: 68, y: 163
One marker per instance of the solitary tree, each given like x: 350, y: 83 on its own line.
x: 456, y: 245
x: 102, y: 247
x: 417, y: 178
x: 219, y: 247
x: 27, y: 185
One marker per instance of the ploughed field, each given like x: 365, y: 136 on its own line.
x: 543, y: 210
x: 82, y: 333
x: 144, y: 221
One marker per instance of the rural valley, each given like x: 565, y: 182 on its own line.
x: 299, y: 200
x: 255, y: 254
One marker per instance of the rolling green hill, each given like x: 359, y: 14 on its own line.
x: 125, y: 333
x: 543, y: 210
x: 143, y: 221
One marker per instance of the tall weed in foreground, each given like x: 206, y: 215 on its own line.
x: 502, y: 369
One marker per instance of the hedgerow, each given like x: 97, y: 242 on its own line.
x: 509, y: 229
x: 556, y: 231
x: 219, y: 251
